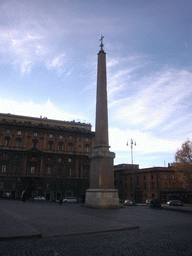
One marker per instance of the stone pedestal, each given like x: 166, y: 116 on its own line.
x: 102, y: 198
x: 102, y: 193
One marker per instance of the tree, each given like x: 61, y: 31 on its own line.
x: 183, y: 164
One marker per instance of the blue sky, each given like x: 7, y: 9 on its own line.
x: 48, y: 62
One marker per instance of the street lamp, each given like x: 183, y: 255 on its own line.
x: 133, y: 143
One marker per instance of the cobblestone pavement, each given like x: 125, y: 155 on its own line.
x: 160, y: 233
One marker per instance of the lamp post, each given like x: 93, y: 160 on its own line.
x: 132, y: 143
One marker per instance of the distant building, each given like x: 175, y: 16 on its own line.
x: 147, y: 183
x: 47, y: 156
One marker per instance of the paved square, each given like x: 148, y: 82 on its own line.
x: 160, y: 232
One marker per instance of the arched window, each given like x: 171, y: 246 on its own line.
x: 60, y: 146
x: 35, y: 143
x: 50, y: 145
x: 7, y: 140
x: 18, y: 142
x: 87, y: 148
x: 70, y: 147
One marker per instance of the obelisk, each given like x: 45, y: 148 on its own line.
x: 101, y: 193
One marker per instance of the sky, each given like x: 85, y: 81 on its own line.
x: 48, y: 68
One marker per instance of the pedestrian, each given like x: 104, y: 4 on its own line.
x: 83, y: 198
x: 32, y: 196
x: 23, y: 196
x: 60, y: 200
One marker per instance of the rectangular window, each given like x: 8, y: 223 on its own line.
x: 34, y: 143
x: 144, y: 177
x: 165, y: 176
x: 59, y: 172
x: 152, y: 185
x: 152, y: 177
x: 60, y: 137
x: 19, y: 132
x: 5, y: 155
x: 35, y: 134
x: 70, y: 137
x: 8, y: 131
x: 32, y: 169
x: 50, y: 136
x: 87, y: 139
x: 173, y: 176
x: 125, y: 185
x: 49, y: 170
x: 3, y: 168
x: 144, y: 185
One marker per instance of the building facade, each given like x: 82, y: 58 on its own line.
x: 50, y: 157
x: 148, y: 183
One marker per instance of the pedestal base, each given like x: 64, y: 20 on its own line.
x: 102, y: 198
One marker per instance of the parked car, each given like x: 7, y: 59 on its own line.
x: 39, y: 198
x: 128, y: 202
x: 148, y: 201
x: 70, y: 200
x: 175, y: 203
x: 155, y: 203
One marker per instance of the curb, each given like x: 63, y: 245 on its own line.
x: 177, y: 210
x: 38, y: 235
x: 94, y: 232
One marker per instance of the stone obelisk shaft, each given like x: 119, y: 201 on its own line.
x: 101, y: 135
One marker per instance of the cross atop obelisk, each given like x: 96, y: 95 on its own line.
x: 101, y: 45
x: 101, y: 193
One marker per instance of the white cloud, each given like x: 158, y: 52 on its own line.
x: 47, y: 109
x: 27, y: 40
x: 158, y: 99
x: 57, y: 63
x: 146, y: 142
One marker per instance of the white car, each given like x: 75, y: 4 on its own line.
x: 175, y: 203
x: 70, y: 200
x: 128, y: 202
x: 39, y: 198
